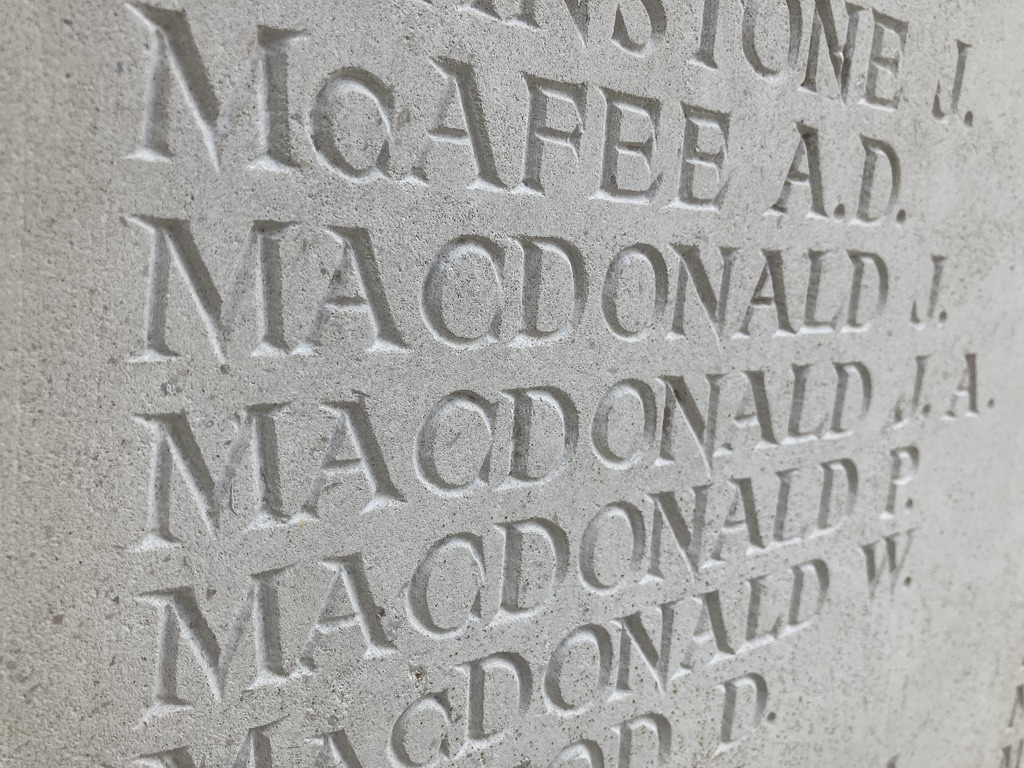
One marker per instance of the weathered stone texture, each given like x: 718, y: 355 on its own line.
x: 512, y: 383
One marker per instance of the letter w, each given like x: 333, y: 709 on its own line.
x: 181, y: 618
x: 175, y: 447
x: 175, y: 55
x: 889, y: 560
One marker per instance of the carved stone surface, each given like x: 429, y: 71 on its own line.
x: 607, y: 383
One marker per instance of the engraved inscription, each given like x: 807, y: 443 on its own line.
x: 543, y: 412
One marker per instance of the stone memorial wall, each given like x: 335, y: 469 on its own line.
x: 581, y: 383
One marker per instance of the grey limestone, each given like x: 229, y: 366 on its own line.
x: 591, y: 383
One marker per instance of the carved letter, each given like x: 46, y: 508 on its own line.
x: 181, y: 616
x: 175, y: 54
x: 880, y: 62
x: 890, y: 559
x: 648, y: 111
x: 634, y: 254
x: 534, y: 250
x: 261, y: 263
x: 966, y: 390
x: 513, y: 574
x: 324, y: 128
x: 905, y: 462
x: 355, y: 260
x: 692, y: 271
x: 426, y: 463
x: 524, y: 401
x: 587, y: 634
x: 811, y: 178
x: 859, y: 258
x: 442, y: 271
x: 656, y: 24
x: 824, y: 25
x: 539, y: 132
x: 354, y: 428
x: 796, y: 620
x: 628, y: 730
x: 350, y: 576
x: 584, y: 749
x: 702, y: 426
x: 705, y: 55
x: 811, y: 322
x: 693, y: 156
x: 175, y: 447
x: 732, y: 731
x: 461, y: 82
x: 437, y: 555
x: 255, y: 751
x: 335, y: 751
x: 397, y: 748
x: 938, y: 112
x: 750, y: 13
x: 874, y: 149
x: 476, y: 697
x: 655, y: 659
x: 843, y: 370
x: 773, y: 272
x: 599, y: 427
x: 588, y: 545
x: 688, y: 543
x: 829, y: 469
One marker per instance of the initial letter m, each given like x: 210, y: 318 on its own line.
x: 182, y: 620
x: 260, y: 264
x: 175, y: 446
x: 176, y: 57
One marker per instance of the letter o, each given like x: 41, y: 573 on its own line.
x: 599, y: 426
x: 610, y: 289
x: 587, y: 634
x: 588, y: 544
x: 751, y: 14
